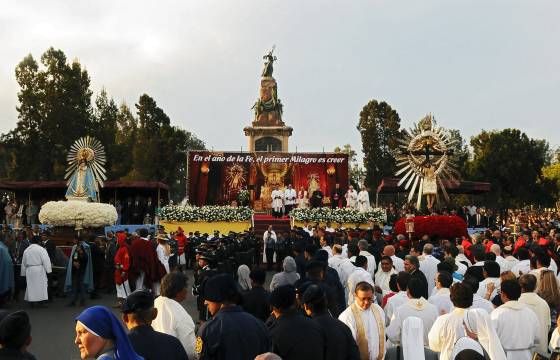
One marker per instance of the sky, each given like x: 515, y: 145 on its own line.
x: 473, y: 64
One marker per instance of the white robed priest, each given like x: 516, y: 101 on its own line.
x: 290, y: 198
x: 366, y: 322
x: 35, y: 265
x: 351, y: 198
x: 277, y: 201
x: 363, y: 200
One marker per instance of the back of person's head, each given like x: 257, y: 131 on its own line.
x: 142, y: 232
x: 139, y: 305
x: 314, y: 269
x: 492, y: 269
x: 258, y: 276
x: 461, y: 295
x: 479, y: 254
x: 415, y: 288
x: 511, y: 289
x: 363, y: 245
x: 428, y: 249
x: 528, y: 283
x: 337, y: 249
x: 15, y: 330
x: 402, y: 280
x: 523, y: 253
x: 472, y: 282
x: 311, y: 249
x: 445, y: 279
x: 322, y: 256
x: 172, y: 284
x: 353, y: 250
x: 393, y: 283
x: 283, y: 297
x: 543, y: 258
x: 315, y: 298
x: 490, y: 256
x: 452, y: 250
x: 444, y: 266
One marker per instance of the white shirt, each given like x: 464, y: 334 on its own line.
x: 445, y: 332
x: 371, y: 264
x: 335, y: 262
x: 517, y: 327
x: 35, y: 265
x: 501, y: 261
x: 412, y: 307
x: 163, y: 257
x: 429, y: 267
x: 463, y: 258
x: 484, y: 283
x: 173, y: 319
x: 542, y: 310
x: 290, y: 196
x: 461, y: 268
x: 277, y: 199
x: 351, y: 198
x: 370, y: 326
x: 441, y: 301
x: 481, y: 303
x: 328, y: 249
x: 509, y: 263
x: 523, y: 267
x: 393, y: 303
x: 363, y: 201
x: 398, y: 263
x: 382, y: 280
x: 359, y: 275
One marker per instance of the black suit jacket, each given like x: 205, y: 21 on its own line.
x: 257, y: 302
x: 340, y: 344
x: 296, y: 337
x: 51, y: 249
x: 153, y: 345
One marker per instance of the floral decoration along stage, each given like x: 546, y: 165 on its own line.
x: 339, y: 215
x: 205, y: 213
x: 73, y: 213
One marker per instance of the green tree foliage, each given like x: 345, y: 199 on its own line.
x: 512, y: 162
x: 160, y: 150
x: 55, y: 109
x: 379, y: 126
x: 460, y: 152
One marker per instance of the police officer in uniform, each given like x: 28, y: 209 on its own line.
x: 206, y: 263
x: 231, y: 333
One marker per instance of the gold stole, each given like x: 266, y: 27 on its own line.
x: 361, y: 332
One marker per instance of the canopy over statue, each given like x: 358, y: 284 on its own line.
x: 85, y: 173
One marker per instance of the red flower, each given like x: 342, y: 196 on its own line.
x: 448, y: 227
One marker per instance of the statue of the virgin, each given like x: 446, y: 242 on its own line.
x: 85, y: 173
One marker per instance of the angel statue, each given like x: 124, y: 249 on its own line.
x: 85, y: 173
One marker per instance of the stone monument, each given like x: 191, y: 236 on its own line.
x: 268, y: 132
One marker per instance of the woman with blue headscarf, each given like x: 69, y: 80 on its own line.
x: 100, y: 335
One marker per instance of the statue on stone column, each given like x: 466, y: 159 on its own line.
x: 270, y: 59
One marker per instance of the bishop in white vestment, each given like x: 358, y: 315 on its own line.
x: 351, y: 198
x: 277, y: 202
x: 35, y: 265
x: 363, y: 200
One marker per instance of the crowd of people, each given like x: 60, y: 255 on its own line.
x: 337, y: 294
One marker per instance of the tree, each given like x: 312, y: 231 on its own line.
x: 104, y: 128
x: 160, y: 150
x: 54, y: 110
x: 460, y: 152
x: 379, y: 126
x: 512, y: 162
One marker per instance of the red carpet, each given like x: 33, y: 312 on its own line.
x: 262, y: 221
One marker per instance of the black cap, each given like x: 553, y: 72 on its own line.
x: 360, y: 261
x: 313, y: 294
x: 139, y: 300
x: 15, y: 329
x: 283, y: 297
x: 206, y: 256
x: 220, y: 288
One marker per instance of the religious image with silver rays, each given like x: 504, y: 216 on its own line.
x: 86, y: 172
x: 424, y: 162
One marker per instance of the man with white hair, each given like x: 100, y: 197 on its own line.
x: 428, y: 265
x: 372, y: 265
x: 389, y: 250
x: 495, y: 248
x: 461, y: 256
x: 509, y: 260
x: 336, y: 261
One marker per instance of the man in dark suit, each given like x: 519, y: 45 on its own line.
x: 478, y: 220
x: 340, y: 343
x: 256, y: 301
x: 138, y: 313
x: 412, y: 266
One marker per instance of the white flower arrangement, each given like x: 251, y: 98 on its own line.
x: 339, y: 215
x: 75, y: 213
x: 205, y: 213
